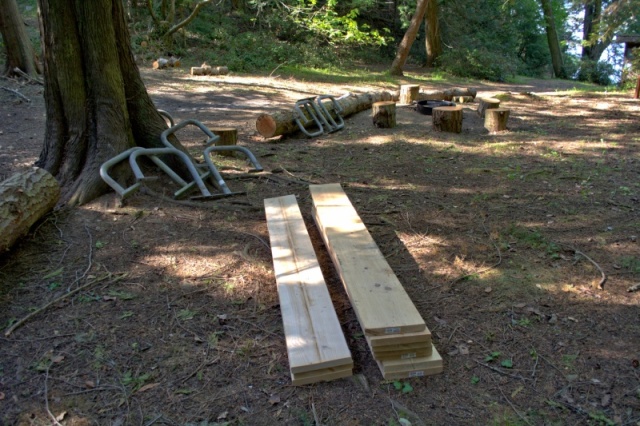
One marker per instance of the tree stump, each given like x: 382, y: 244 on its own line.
x: 384, y: 114
x: 409, y: 93
x: 447, y: 119
x: 228, y: 137
x: 462, y: 99
x: 24, y: 198
x: 638, y: 88
x: 487, y: 103
x: 495, y: 119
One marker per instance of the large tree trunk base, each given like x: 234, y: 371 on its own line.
x: 495, y: 119
x: 447, y: 119
x: 25, y: 198
x: 384, y: 114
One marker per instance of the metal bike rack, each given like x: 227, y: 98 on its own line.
x: 313, y: 109
x: 210, y: 170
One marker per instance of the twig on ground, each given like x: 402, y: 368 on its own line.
x: 504, y: 373
x: 32, y: 314
x: 276, y: 68
x: 46, y: 395
x: 258, y: 327
x: 18, y: 94
x: 415, y: 419
x: 514, y: 408
x: 600, y: 285
x: 254, y: 236
x: 89, y: 263
x: 27, y: 76
x: 315, y: 414
x: 145, y: 190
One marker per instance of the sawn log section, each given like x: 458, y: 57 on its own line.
x: 316, y: 345
x: 378, y: 298
x: 282, y: 122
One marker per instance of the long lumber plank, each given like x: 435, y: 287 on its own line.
x: 416, y: 367
x: 313, y: 334
x: 378, y: 298
x: 403, y: 339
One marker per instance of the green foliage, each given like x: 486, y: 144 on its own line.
x: 595, y: 72
x: 404, y: 387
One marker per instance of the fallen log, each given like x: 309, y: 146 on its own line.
x: 447, y: 94
x: 162, y: 63
x: 205, y: 69
x: 24, y: 198
x: 282, y: 122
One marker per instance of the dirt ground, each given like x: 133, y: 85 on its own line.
x: 499, y: 239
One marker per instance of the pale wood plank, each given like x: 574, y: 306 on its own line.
x: 405, y: 338
x: 416, y: 367
x: 378, y: 298
x: 324, y: 375
x: 313, y: 334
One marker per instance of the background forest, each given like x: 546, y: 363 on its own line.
x: 494, y: 40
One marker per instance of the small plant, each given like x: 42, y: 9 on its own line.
x: 99, y: 244
x: 492, y: 356
x: 135, y: 382
x: 122, y: 295
x: 186, y: 314
x: 524, y: 322
x: 404, y: 387
x: 475, y: 380
x: 507, y: 363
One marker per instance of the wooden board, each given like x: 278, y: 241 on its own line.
x: 378, y: 298
x: 313, y: 334
x: 324, y: 375
x: 406, y: 338
x: 417, y: 367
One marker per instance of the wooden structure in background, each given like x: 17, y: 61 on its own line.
x: 384, y: 114
x: 316, y: 346
x: 408, y: 93
x: 447, y: 94
x: 24, y: 198
x: 447, y: 119
x: 228, y: 137
x: 394, y: 330
x: 487, y: 103
x: 495, y: 119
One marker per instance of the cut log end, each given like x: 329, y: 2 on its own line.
x: 25, y: 198
x: 266, y: 125
x: 447, y: 119
x: 228, y: 137
x: 487, y: 103
x: 408, y: 93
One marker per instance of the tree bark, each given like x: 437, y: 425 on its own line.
x: 409, y: 37
x: 384, y: 114
x: 282, y: 122
x: 447, y: 119
x: 552, y: 39
x: 433, y: 41
x: 495, y: 120
x: 25, y: 198
x: 97, y: 105
x: 20, y: 53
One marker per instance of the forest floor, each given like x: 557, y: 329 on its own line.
x: 499, y: 240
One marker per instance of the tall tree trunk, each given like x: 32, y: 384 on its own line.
x: 96, y: 103
x: 408, y: 39
x: 433, y: 42
x: 552, y: 39
x: 592, y: 11
x: 20, y: 53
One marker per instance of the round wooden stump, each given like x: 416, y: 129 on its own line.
x: 447, y: 119
x: 228, y: 136
x: 408, y: 93
x: 384, y: 114
x: 487, y: 103
x: 495, y: 119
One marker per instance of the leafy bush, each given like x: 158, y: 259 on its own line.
x: 595, y: 72
x: 477, y: 63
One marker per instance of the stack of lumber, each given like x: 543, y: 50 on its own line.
x: 396, y: 333
x: 316, y: 346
